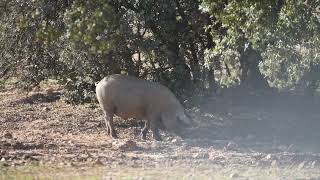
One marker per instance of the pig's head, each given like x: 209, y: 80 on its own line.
x: 176, y: 122
x: 183, y: 118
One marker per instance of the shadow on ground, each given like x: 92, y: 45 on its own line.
x: 40, y: 98
x: 275, y: 119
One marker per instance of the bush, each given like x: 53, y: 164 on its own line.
x: 79, y: 91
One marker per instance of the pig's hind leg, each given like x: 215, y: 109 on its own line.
x: 109, y: 124
x: 154, y: 126
x: 145, y: 130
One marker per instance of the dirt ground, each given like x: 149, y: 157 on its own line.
x: 239, y: 139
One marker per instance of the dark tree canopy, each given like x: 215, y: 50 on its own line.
x: 193, y: 47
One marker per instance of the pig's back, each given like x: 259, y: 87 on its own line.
x: 130, y: 97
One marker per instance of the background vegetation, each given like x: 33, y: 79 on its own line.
x: 192, y: 46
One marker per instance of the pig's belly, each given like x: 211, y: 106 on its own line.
x: 130, y: 112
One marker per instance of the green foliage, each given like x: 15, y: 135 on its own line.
x: 189, y: 46
x: 27, y: 29
x: 295, y: 47
x: 285, y: 32
x: 78, y: 91
x: 94, y: 24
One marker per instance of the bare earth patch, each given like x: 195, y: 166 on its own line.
x: 41, y: 137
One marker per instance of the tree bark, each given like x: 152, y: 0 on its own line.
x: 211, y: 79
x: 251, y: 76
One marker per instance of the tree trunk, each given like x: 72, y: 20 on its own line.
x: 211, y: 79
x: 251, y: 76
x: 181, y: 71
x: 194, y: 65
x: 312, y: 79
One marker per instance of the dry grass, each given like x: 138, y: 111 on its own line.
x: 42, y: 137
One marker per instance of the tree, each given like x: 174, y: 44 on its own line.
x: 190, y: 46
x: 272, y: 29
x: 27, y: 31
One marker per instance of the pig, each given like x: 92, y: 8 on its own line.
x: 132, y: 97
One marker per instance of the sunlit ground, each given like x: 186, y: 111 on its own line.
x: 214, y: 172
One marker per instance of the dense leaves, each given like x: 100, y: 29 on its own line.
x: 193, y: 47
x: 285, y: 32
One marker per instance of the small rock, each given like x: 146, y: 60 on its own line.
x: 26, y: 156
x: 217, y: 158
x: 70, y: 164
x: 174, y: 140
x: 121, y: 163
x: 8, y: 135
x: 4, y: 164
x: 3, y: 159
x: 313, y: 164
x: 177, y: 141
x: 134, y: 158
x: 234, y: 175
x: 98, y: 162
x: 302, y: 165
x: 268, y: 157
x: 201, y: 155
x: 36, y: 89
x: 106, y: 178
x: 49, y: 90
x: 274, y: 163
x: 128, y: 145
x: 46, y: 109
x: 231, y: 146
